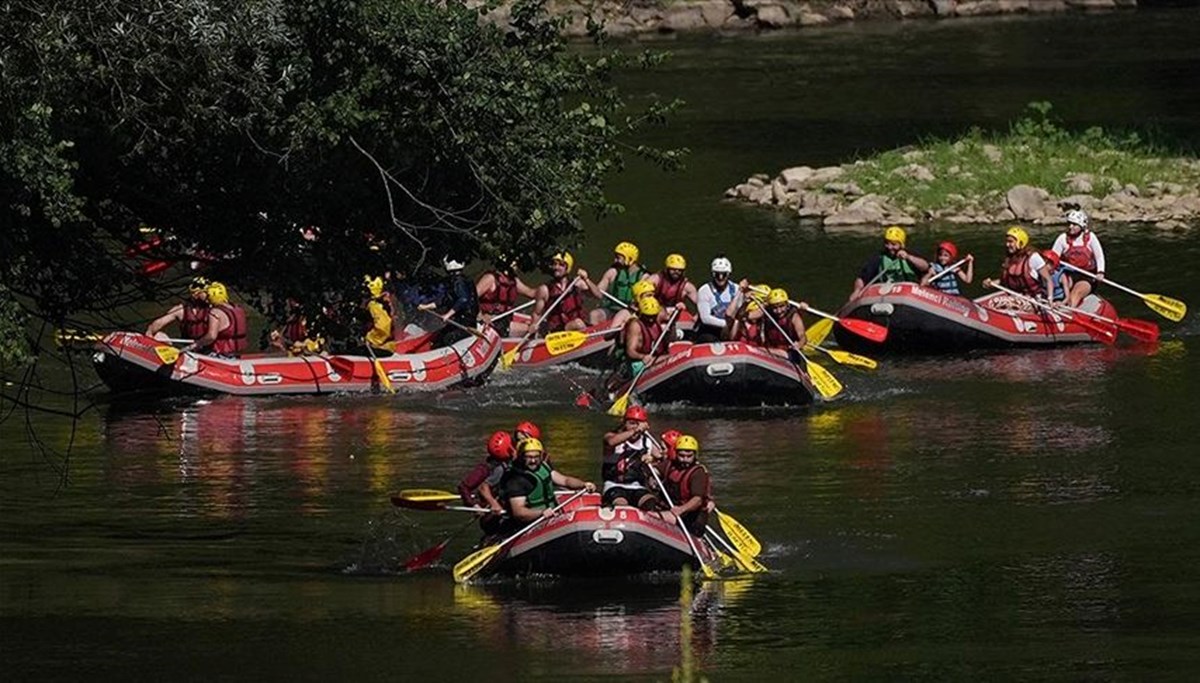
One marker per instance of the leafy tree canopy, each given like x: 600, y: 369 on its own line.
x: 230, y: 125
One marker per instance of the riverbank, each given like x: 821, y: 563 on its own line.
x: 1031, y: 174
x: 641, y: 17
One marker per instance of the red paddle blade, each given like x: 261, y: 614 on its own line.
x: 583, y: 400
x: 1141, y: 330
x: 426, y: 557
x: 1101, y: 332
x: 865, y: 329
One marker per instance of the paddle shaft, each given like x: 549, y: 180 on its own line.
x: 535, y: 324
x: 384, y: 380
x: 949, y: 269
x: 510, y: 311
x: 534, y: 524
x: 679, y: 520
x: 455, y: 324
x: 1108, y: 337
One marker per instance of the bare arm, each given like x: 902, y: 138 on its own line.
x: 798, y: 329
x: 485, y: 284
x: 521, y: 511
x: 598, y: 288
x: 525, y: 290
x: 566, y: 481
x: 173, y: 315
x: 969, y: 273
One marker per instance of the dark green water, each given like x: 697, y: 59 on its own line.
x: 1016, y: 515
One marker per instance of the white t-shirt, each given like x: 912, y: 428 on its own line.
x: 1063, y: 242
x: 711, y: 305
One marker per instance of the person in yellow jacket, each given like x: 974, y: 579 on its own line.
x: 380, y: 311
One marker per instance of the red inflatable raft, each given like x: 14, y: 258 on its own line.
x: 723, y: 374
x: 925, y: 320
x: 127, y: 361
x: 589, y: 540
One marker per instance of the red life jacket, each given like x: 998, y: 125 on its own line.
x: 770, y: 335
x: 231, y: 340
x: 650, y: 334
x: 669, y: 294
x: 747, y: 331
x: 570, y: 308
x: 296, y: 328
x: 194, y: 323
x: 1016, y: 274
x: 1080, y: 255
x: 503, y: 296
x: 679, y: 484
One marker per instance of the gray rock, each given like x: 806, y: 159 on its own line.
x: 906, y: 9
x: 683, y: 18
x: 992, y: 153
x: 774, y: 16
x: 849, y: 189
x: 1171, y: 224
x: 916, y: 172
x: 811, y: 19
x: 1027, y: 202
x: 841, y: 12
x: 1131, y: 189
x: 825, y: 174
x: 975, y: 8
x: 944, y: 8
x: 858, y: 216
x: 715, y: 12
x: 778, y: 192
x: 1013, y: 6
x: 1092, y: 4
x: 1079, y: 183
x: 1047, y: 6
x: 760, y: 178
x: 797, y: 175
x: 1083, y: 201
x: 761, y: 195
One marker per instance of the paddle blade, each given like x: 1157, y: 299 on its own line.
x: 1171, y: 309
x: 420, y: 503
x: 1104, y: 333
x: 865, y: 329
x: 826, y: 384
x: 619, y: 405
x: 426, y: 557
x: 740, y: 536
x: 509, y: 357
x: 167, y: 354
x: 1141, y: 330
x: 427, y: 494
x: 749, y: 564
x: 847, y: 358
x: 384, y: 380
x: 558, y: 343
x: 469, y: 566
x: 818, y: 331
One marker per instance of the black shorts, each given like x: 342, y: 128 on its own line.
x: 632, y: 494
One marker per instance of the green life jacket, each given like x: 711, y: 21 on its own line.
x: 897, y: 270
x: 622, y: 286
x: 542, y: 495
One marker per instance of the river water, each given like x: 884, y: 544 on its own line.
x: 1009, y: 515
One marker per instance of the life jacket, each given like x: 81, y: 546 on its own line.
x: 503, y: 296
x: 669, y: 294
x: 748, y: 330
x: 377, y: 337
x: 622, y: 286
x: 679, y: 484
x: 896, y: 269
x: 622, y: 462
x: 946, y: 283
x: 542, y: 495
x: 231, y: 341
x: 650, y: 334
x: 1016, y: 277
x: 1060, y: 292
x: 722, y: 299
x: 1079, y: 254
x: 570, y: 308
x: 194, y: 323
x: 770, y: 335
x: 295, y: 329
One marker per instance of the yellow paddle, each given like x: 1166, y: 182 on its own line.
x: 618, y: 407
x: 823, y: 380
x: 845, y: 357
x: 558, y: 343
x: 426, y: 495
x: 744, y: 562
x: 743, y: 540
x: 167, y: 354
x: 510, y: 356
x: 384, y: 380
x: 818, y: 331
x: 1171, y: 309
x: 469, y: 566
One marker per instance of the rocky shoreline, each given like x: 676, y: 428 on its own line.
x: 642, y: 17
x: 830, y: 196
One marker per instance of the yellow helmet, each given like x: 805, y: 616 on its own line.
x: 641, y: 288
x: 198, y: 284
x: 374, y: 285
x: 752, y: 306
x: 895, y: 234
x: 687, y: 442
x: 1018, y: 233
x: 565, y: 257
x: 217, y: 296
x: 676, y: 261
x: 627, y: 249
x: 759, y: 292
x: 777, y: 296
x: 649, y: 306
x: 530, y: 444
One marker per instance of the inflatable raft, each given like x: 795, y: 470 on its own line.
x: 723, y: 374
x: 925, y: 320
x: 128, y: 361
x: 587, y: 540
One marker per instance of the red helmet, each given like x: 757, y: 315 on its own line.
x: 669, y: 438
x: 950, y: 249
x: 1052, y: 258
x: 529, y: 429
x: 500, y: 446
x: 636, y: 413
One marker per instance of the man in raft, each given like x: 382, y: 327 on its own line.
x: 497, y: 290
x: 460, y: 302
x: 893, y: 264
x: 226, y: 333
x: 671, y: 286
x: 1080, y: 247
x: 528, y: 486
x: 569, y: 314
x: 1024, y: 271
x: 688, y: 483
x: 479, y: 486
x: 787, y: 318
x: 380, y: 313
x: 617, y: 281
x: 626, y: 480
x: 713, y: 300
x: 191, y: 313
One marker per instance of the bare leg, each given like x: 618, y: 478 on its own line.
x: 1079, y: 292
x: 598, y: 316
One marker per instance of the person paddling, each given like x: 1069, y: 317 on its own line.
x: 569, y: 314
x: 1024, y: 270
x: 617, y: 281
x: 788, y: 319
x: 226, y: 333
x: 1081, y: 248
x: 688, y: 484
x: 191, y: 314
x: 671, y: 286
x: 460, y: 302
x: 497, y: 290
x: 528, y: 486
x: 893, y: 264
x: 713, y: 300
x: 479, y: 485
x: 380, y: 313
x: 626, y: 482
x: 946, y: 253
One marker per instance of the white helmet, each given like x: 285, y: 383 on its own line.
x: 1078, y: 217
x: 722, y: 265
x: 451, y: 265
